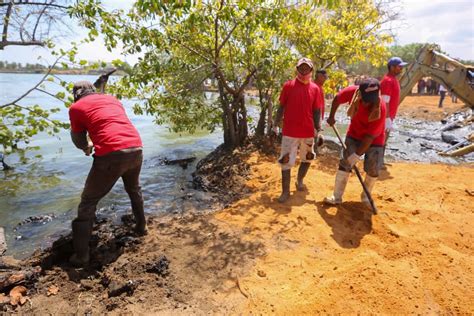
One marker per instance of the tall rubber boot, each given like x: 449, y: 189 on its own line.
x: 285, y: 185
x: 369, y: 184
x: 342, y: 177
x: 302, y: 171
x: 81, y: 235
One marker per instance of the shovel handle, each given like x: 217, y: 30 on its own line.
x: 367, y: 193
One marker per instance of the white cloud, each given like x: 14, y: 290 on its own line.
x: 447, y: 23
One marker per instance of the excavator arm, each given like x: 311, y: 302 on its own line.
x: 456, y: 77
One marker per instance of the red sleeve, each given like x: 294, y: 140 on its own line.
x: 284, y: 94
x: 75, y: 118
x: 386, y: 87
x: 346, y: 94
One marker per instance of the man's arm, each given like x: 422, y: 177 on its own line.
x: 278, y: 117
x: 80, y: 141
x: 334, y: 105
x: 317, y: 119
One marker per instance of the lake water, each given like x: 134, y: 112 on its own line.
x: 52, y: 180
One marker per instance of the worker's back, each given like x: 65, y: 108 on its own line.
x: 105, y: 120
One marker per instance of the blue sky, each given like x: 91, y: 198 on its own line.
x: 449, y: 23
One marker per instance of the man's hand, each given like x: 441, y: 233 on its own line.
x: 331, y: 121
x: 353, y: 159
x: 275, y: 129
x: 88, y: 150
x: 388, y: 124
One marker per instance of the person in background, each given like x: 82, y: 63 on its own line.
x: 454, y: 97
x: 117, y: 154
x: 442, y: 95
x: 428, y: 86
x: 321, y: 77
x: 390, y: 90
x: 421, y: 86
x: 300, y: 108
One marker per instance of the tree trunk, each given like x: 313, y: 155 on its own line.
x: 260, y: 130
x: 234, y: 117
x: 270, y: 112
x: 227, y: 122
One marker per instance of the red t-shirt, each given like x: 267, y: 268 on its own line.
x: 360, y: 126
x: 298, y: 101
x: 321, y: 100
x: 106, y: 122
x: 391, y: 87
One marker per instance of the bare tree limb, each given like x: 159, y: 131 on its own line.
x: 48, y: 93
x: 51, y: 4
x: 6, y: 23
x: 37, y: 22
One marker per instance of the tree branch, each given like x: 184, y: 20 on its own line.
x: 20, y: 43
x: 51, y: 4
x: 222, y: 79
x: 6, y: 22
x: 246, y: 81
x: 192, y: 50
x: 50, y: 94
x: 37, y: 22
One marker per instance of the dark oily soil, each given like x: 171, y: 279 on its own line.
x: 185, y: 264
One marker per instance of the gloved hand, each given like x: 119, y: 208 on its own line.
x: 388, y: 124
x: 353, y: 159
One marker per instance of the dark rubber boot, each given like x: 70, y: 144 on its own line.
x: 81, y: 234
x: 285, y: 186
x: 302, y: 171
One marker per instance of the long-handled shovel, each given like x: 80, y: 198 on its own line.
x: 371, y: 201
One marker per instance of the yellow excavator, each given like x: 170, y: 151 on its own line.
x: 456, y: 77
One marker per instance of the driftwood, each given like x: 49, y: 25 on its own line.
x: 183, y: 163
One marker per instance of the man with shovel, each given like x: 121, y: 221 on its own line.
x: 117, y: 154
x: 300, y: 108
x: 365, y: 135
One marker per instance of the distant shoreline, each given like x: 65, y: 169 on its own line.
x: 61, y: 72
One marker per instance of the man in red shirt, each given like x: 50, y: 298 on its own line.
x: 321, y: 77
x: 300, y: 108
x: 390, y: 90
x: 366, y: 135
x: 117, y: 154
